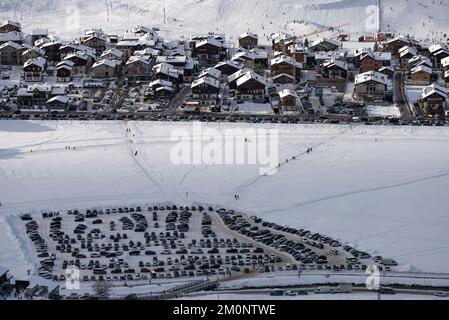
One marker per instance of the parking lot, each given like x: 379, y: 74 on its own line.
x: 141, y: 244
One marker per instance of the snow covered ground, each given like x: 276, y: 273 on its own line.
x: 387, y: 197
x: 426, y: 19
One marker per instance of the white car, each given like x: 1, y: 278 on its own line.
x: 440, y: 294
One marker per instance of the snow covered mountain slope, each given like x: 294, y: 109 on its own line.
x: 185, y: 17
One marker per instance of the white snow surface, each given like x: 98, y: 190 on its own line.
x: 426, y: 19
x: 387, y: 197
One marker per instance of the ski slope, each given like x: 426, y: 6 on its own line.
x: 70, y: 18
x: 387, y: 197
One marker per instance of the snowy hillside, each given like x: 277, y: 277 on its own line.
x: 69, y: 18
x: 387, y: 197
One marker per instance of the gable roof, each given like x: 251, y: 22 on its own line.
x: 325, y: 42
x: 10, y: 22
x: 237, y: 74
x: 248, y: 34
x: 10, y: 44
x: 420, y: 60
x: 212, y: 72
x: 11, y: 36
x: 335, y: 62
x: 421, y: 68
x: 114, y: 52
x: 287, y: 92
x: 167, y: 69
x: 251, y: 75
x: 39, y: 62
x: 61, y: 99
x: 107, y: 62
x: 206, y: 80
x: 159, y: 82
x: 286, y: 59
x: 432, y: 89
x: 371, y: 76
x: 210, y: 41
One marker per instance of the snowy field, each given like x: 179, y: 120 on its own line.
x: 71, y: 18
x: 387, y: 197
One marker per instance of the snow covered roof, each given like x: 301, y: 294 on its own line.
x: 61, y: 99
x: 437, y: 47
x: 281, y: 75
x: 210, y: 41
x: 166, y: 69
x: 286, y: 59
x: 206, y: 80
x: 65, y: 63
x: 387, y: 68
x: 445, y: 62
x: 434, y: 88
x: 379, y: 56
x: 134, y: 59
x: 159, y: 82
x: 10, y: 44
x: 383, y: 111
x: 323, y: 55
x: 57, y: 90
x: 164, y: 88
x: 251, y: 75
x: 107, y: 62
x: 399, y: 38
x: 114, y: 52
x: 51, y: 43
x: 128, y: 43
x: 335, y: 62
x: 325, y: 41
x: 78, y: 54
x: 371, y: 76
x: 10, y: 22
x: 232, y: 63
x: 248, y: 34
x: 421, y: 68
x: 39, y: 32
x: 172, y: 59
x: 407, y: 50
x: 420, y: 60
x: 147, y: 52
x: 34, y: 49
x: 298, y: 47
x: 237, y: 74
x: 212, y: 72
x: 11, y: 36
x: 287, y: 92
x: 39, y: 62
x: 280, y: 36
